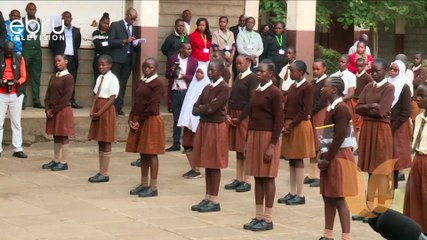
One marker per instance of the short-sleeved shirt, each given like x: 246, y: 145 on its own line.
x: 110, y: 86
x: 349, y: 79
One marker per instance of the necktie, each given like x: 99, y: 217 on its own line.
x: 418, y: 139
x: 100, y: 84
x: 286, y: 74
x: 240, y: 75
x: 129, y: 35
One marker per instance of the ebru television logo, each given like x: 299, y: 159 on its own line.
x: 32, y: 29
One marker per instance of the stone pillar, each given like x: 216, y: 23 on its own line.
x: 148, y: 28
x: 399, y: 36
x: 252, y: 10
x: 301, y: 24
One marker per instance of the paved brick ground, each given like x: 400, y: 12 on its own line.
x: 40, y: 204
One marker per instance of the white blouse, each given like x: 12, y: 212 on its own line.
x: 110, y: 86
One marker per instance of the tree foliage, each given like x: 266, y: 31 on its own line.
x: 363, y: 13
x: 371, y: 13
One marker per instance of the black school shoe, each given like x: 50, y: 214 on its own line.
x: 38, y: 105
x: 297, y: 200
x: 137, y: 190
x: 197, y: 206
x: 286, y: 198
x: 49, y: 165
x: 262, y: 226
x: 136, y: 163
x: 233, y: 185
x: 243, y: 187
x: 60, y: 167
x: 308, y: 180
x: 249, y: 225
x: 98, y: 178
x: 325, y: 238
x: 148, y: 192
x: 209, y: 207
x: 20, y: 154
x: 315, y: 183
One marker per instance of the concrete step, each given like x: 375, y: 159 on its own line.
x: 34, y: 123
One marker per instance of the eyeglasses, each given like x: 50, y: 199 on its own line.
x: 394, y: 70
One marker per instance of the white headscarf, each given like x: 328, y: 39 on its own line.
x: 399, y: 81
x: 186, y: 117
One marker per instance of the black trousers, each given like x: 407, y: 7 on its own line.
x: 73, y: 65
x: 122, y: 72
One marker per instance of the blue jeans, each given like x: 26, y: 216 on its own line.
x: 177, y: 100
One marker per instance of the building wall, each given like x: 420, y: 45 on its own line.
x: 386, y: 43
x: 415, y: 40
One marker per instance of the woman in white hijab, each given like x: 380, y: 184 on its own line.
x: 400, y: 118
x: 188, y: 120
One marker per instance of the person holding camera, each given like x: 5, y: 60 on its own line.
x: 12, y: 70
x: 180, y: 69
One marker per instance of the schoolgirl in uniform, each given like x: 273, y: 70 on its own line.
x: 210, y: 145
x: 103, y: 113
x: 190, y: 122
x: 335, y: 184
x: 285, y: 81
x: 59, y: 114
x: 147, y: 131
x: 317, y: 116
x: 298, y: 135
x: 220, y: 55
x: 416, y: 187
x: 376, y: 142
x: 263, y: 145
x: 237, y: 118
x: 362, y: 79
x: 349, y: 81
x: 400, y: 122
x: 420, y: 76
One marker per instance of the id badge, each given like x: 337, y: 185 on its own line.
x: 281, y: 51
x: 250, y: 46
x: 227, y: 48
x: 205, y: 50
x: 104, y: 44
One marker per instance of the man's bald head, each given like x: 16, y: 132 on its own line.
x: 131, y: 15
x: 9, y: 47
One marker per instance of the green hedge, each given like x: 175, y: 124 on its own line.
x: 330, y: 56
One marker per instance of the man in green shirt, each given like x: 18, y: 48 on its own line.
x: 32, y: 53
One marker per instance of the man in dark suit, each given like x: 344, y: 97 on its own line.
x: 236, y: 30
x: 121, y: 35
x: 239, y: 27
x: 179, y: 80
x: 66, y: 40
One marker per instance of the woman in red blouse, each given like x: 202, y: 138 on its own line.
x: 360, y: 53
x: 200, y: 41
